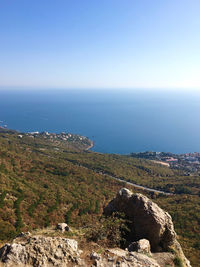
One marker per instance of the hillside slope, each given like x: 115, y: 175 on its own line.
x: 44, y: 182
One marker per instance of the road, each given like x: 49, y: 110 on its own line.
x: 122, y: 180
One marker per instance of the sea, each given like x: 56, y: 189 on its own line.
x: 118, y: 121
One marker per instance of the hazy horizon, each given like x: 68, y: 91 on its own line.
x: 98, y: 89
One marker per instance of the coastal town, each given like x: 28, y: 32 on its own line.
x: 189, y: 163
x: 76, y: 140
x: 61, y: 137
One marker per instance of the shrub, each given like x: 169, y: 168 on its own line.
x: 197, y: 245
x: 3, y: 195
x: 7, y: 231
x: 178, y: 262
x: 19, y: 223
x: 111, y: 230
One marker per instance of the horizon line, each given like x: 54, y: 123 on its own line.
x: 23, y: 87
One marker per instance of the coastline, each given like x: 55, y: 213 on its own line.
x: 90, y: 146
x: 65, y: 137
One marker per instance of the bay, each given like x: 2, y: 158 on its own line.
x: 118, y: 121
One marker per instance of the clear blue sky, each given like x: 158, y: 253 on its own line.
x: 100, y: 43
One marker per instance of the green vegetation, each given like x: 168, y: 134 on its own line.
x: 111, y: 230
x: 140, y: 171
x: 178, y: 262
x: 69, y: 213
x: 45, y: 182
x: 19, y: 223
x: 33, y: 206
x: 2, y: 199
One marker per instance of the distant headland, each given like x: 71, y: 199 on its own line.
x: 63, y: 138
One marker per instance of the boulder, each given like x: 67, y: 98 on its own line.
x: 62, y: 227
x: 148, y: 220
x: 128, y: 259
x: 142, y: 246
x: 40, y: 251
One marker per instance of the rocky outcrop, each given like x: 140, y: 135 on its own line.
x: 148, y: 221
x: 40, y: 251
x: 27, y: 250
x: 120, y: 258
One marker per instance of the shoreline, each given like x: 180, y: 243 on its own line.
x: 5, y: 129
x: 90, y: 146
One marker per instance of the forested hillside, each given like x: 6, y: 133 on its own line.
x: 44, y: 182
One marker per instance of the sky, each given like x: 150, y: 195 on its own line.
x: 100, y: 43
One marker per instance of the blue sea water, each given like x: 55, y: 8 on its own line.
x: 119, y: 121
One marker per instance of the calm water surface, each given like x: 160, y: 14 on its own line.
x: 117, y: 121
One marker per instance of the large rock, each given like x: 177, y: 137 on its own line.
x: 148, y: 220
x: 40, y: 251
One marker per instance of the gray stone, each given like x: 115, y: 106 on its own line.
x: 62, y: 227
x: 40, y: 251
x: 142, y: 246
